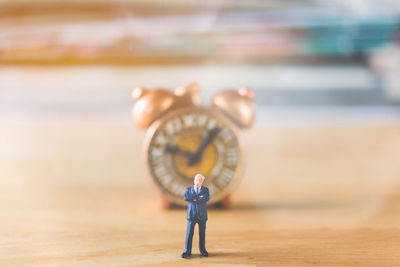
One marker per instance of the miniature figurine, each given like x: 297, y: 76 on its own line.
x: 196, y: 196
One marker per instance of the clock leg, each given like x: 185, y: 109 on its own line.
x: 225, y: 203
x: 166, y: 204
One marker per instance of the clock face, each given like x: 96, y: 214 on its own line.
x: 191, y: 141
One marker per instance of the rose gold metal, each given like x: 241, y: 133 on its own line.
x: 150, y: 104
x: 237, y: 105
x: 187, y: 96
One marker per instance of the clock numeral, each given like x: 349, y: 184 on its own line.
x: 162, y: 174
x: 211, y: 124
x: 156, y: 154
x: 188, y: 120
x: 160, y: 170
x: 212, y: 189
x: 193, y: 120
x: 177, y: 189
x: 226, y: 135
x: 225, y: 177
x: 201, y: 120
x: 173, y: 126
x: 231, y: 156
x: 166, y: 179
x: 160, y: 139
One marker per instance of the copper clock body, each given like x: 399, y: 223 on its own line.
x: 193, y: 140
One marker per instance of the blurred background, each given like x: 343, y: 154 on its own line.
x: 324, y: 152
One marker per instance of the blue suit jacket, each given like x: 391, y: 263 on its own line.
x: 197, y: 203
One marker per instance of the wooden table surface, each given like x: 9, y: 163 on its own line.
x: 75, y: 193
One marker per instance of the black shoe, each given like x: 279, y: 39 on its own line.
x: 186, y: 255
x: 204, y: 253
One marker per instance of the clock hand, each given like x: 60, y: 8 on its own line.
x: 176, y: 150
x: 195, y: 157
x: 208, y: 139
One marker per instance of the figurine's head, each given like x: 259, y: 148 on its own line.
x: 198, y: 180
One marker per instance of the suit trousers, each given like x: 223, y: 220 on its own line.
x: 189, y: 234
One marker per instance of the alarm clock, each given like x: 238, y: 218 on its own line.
x: 184, y: 138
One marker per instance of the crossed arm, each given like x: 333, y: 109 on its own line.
x: 193, y: 197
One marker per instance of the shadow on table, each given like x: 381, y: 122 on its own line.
x: 287, y: 205
x: 273, y: 206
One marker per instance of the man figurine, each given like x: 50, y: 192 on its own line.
x: 196, y: 196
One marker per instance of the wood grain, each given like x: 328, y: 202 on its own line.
x: 75, y: 193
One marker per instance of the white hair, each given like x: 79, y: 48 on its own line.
x: 201, y: 176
